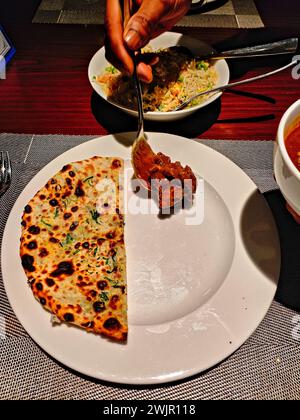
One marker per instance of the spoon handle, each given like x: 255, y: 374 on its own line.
x: 127, y: 11
x: 139, y: 92
x: 287, y: 46
x: 231, y: 85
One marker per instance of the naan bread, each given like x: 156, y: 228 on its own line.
x: 72, y: 246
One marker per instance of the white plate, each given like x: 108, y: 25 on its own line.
x: 196, y: 293
x: 168, y: 39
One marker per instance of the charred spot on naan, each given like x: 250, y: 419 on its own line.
x: 28, y: 263
x: 79, y: 192
x: 50, y: 282
x: 69, y: 317
x: 32, y: 245
x: 112, y: 324
x: 64, y: 268
x: 34, y: 230
x: 43, y: 253
x: 99, y: 306
x: 66, y: 168
x: 28, y: 209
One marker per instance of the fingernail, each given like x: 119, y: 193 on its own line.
x: 145, y: 79
x: 132, y: 39
x: 145, y: 73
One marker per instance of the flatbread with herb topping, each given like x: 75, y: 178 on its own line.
x: 72, y: 246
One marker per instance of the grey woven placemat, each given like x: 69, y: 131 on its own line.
x: 265, y: 367
x: 233, y: 14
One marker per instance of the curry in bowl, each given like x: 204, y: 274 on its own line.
x: 292, y: 144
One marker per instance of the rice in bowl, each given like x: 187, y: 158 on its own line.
x: 176, y: 78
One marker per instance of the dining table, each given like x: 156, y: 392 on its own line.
x: 47, y: 106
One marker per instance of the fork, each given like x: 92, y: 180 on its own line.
x: 5, y: 172
x: 234, y: 84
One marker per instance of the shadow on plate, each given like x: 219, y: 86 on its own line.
x: 288, y: 292
x: 129, y: 387
x: 116, y: 121
x: 260, y: 236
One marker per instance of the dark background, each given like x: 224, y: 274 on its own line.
x: 47, y: 89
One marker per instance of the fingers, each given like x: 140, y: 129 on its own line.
x: 148, y: 58
x: 116, y: 52
x: 144, y: 68
x: 145, y: 72
x: 153, y: 18
x: 140, y: 27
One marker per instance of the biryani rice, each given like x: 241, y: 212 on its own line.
x: 176, y: 78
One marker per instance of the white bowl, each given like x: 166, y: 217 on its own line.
x: 168, y: 39
x: 286, y: 174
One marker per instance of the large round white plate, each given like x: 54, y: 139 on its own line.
x: 197, y: 290
x: 168, y: 39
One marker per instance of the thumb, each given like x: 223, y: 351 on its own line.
x: 143, y: 24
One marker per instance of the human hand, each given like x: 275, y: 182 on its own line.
x: 152, y: 19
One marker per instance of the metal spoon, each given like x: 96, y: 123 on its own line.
x: 140, y: 146
x: 142, y: 153
x: 231, y: 85
x: 287, y: 46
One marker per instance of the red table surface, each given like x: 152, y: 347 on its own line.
x: 47, y: 90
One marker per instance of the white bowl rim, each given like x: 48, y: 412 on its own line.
x: 281, y: 138
x: 185, y: 111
